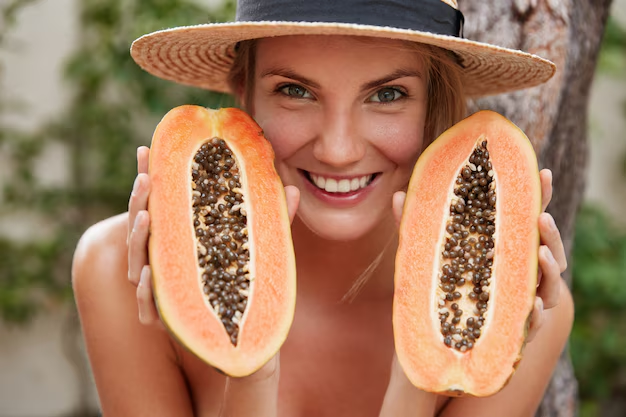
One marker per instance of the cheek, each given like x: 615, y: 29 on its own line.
x: 399, y: 139
x: 287, y: 131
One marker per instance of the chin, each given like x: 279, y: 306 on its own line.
x: 341, y: 227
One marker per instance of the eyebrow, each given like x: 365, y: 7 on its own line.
x: 400, y: 73
x: 287, y: 73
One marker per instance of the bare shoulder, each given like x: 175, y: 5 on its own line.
x: 135, y: 367
x: 105, y: 241
x: 100, y: 259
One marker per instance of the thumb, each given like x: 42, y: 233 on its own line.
x: 398, y: 205
x: 255, y: 395
x: 536, y: 320
x: 403, y: 399
x: 292, y: 195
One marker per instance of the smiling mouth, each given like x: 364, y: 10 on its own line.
x: 339, y: 186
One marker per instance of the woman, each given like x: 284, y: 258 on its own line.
x: 356, y: 92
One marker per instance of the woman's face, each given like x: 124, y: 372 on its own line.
x: 346, y: 118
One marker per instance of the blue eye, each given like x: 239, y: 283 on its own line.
x: 386, y: 95
x: 294, y: 90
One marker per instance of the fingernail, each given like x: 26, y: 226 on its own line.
x: 137, y: 220
x: 552, y: 223
x: 136, y: 185
x: 550, y: 256
x: 144, y: 275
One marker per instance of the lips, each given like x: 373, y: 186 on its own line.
x: 340, y: 185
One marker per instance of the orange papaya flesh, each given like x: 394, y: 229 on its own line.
x: 464, y: 294
x: 220, y: 245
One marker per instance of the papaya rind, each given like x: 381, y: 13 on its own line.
x: 176, y: 139
x: 419, y: 356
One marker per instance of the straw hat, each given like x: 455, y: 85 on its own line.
x: 202, y: 55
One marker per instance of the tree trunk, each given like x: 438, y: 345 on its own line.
x: 554, y: 115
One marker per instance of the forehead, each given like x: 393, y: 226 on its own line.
x: 328, y: 51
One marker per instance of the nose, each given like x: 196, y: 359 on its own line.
x: 339, y: 143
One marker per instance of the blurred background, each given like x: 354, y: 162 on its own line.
x: 73, y: 109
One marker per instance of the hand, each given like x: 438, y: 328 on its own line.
x: 552, y: 260
x: 138, y: 232
x: 139, y: 273
x: 403, y: 399
x: 255, y: 395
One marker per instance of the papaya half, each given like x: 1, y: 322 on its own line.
x: 222, y: 258
x: 466, y: 265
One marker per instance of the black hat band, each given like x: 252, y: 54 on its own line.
x: 432, y: 16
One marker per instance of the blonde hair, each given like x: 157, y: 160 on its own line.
x: 241, y: 75
x: 446, y: 98
x: 446, y: 106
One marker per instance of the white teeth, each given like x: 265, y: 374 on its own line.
x: 343, y: 186
x: 332, y: 185
x: 319, y: 181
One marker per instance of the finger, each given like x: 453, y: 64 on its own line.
x: 545, y: 176
x: 139, y: 196
x: 255, y: 395
x: 143, y: 157
x: 536, y: 320
x: 550, y: 287
x: 551, y: 237
x: 403, y: 399
x: 539, y: 275
x: 399, y: 197
x: 148, y: 314
x: 137, y: 250
x: 293, y: 200
x: 138, y: 199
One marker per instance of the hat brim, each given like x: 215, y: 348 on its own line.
x: 202, y: 55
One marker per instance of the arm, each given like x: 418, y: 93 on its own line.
x: 134, y: 366
x: 522, y: 395
x: 550, y: 325
x: 255, y: 395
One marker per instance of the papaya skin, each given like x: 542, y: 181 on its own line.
x: 486, y: 369
x: 172, y: 245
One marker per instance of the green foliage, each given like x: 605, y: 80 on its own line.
x: 612, y: 59
x: 114, y: 108
x: 598, y: 341
x: 8, y: 16
x: 614, y: 35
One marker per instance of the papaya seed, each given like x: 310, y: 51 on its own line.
x: 218, y: 213
x: 468, y: 247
